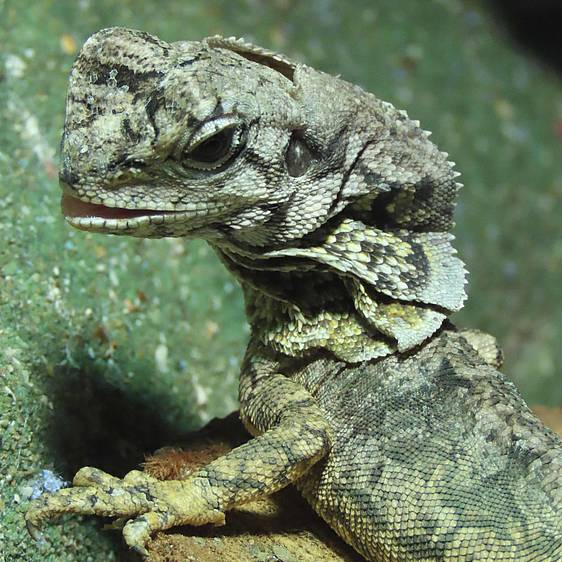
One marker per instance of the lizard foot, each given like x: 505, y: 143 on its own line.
x: 145, y: 503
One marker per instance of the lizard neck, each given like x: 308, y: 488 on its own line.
x: 295, y: 311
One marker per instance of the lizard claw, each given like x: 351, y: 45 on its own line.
x: 142, y: 504
x: 34, y: 530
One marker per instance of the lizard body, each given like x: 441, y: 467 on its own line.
x: 333, y: 210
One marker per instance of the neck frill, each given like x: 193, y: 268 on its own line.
x: 355, y: 290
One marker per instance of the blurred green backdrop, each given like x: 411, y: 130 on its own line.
x: 111, y: 347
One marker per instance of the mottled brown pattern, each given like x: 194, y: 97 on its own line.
x: 332, y: 209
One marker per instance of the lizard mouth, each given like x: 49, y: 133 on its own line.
x: 74, y: 208
x: 146, y: 223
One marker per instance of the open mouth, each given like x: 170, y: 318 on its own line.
x: 144, y: 223
x: 73, y: 207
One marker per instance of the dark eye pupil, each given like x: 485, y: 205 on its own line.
x: 213, y: 149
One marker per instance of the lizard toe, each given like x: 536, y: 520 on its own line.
x: 139, y: 477
x: 89, y: 476
x: 138, y: 532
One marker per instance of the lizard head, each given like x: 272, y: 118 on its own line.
x: 231, y: 141
x: 175, y: 139
x: 281, y: 167
x: 167, y: 139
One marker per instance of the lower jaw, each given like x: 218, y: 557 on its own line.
x: 144, y: 226
x: 177, y: 225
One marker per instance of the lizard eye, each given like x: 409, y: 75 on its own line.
x: 213, y: 148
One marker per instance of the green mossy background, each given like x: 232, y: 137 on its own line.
x: 112, y: 347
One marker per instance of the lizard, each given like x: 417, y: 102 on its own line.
x: 334, y: 211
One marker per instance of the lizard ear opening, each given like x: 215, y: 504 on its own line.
x: 253, y: 53
x: 298, y: 156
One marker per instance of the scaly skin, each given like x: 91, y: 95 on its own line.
x: 333, y: 210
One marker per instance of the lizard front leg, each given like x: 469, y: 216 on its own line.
x: 294, y: 435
